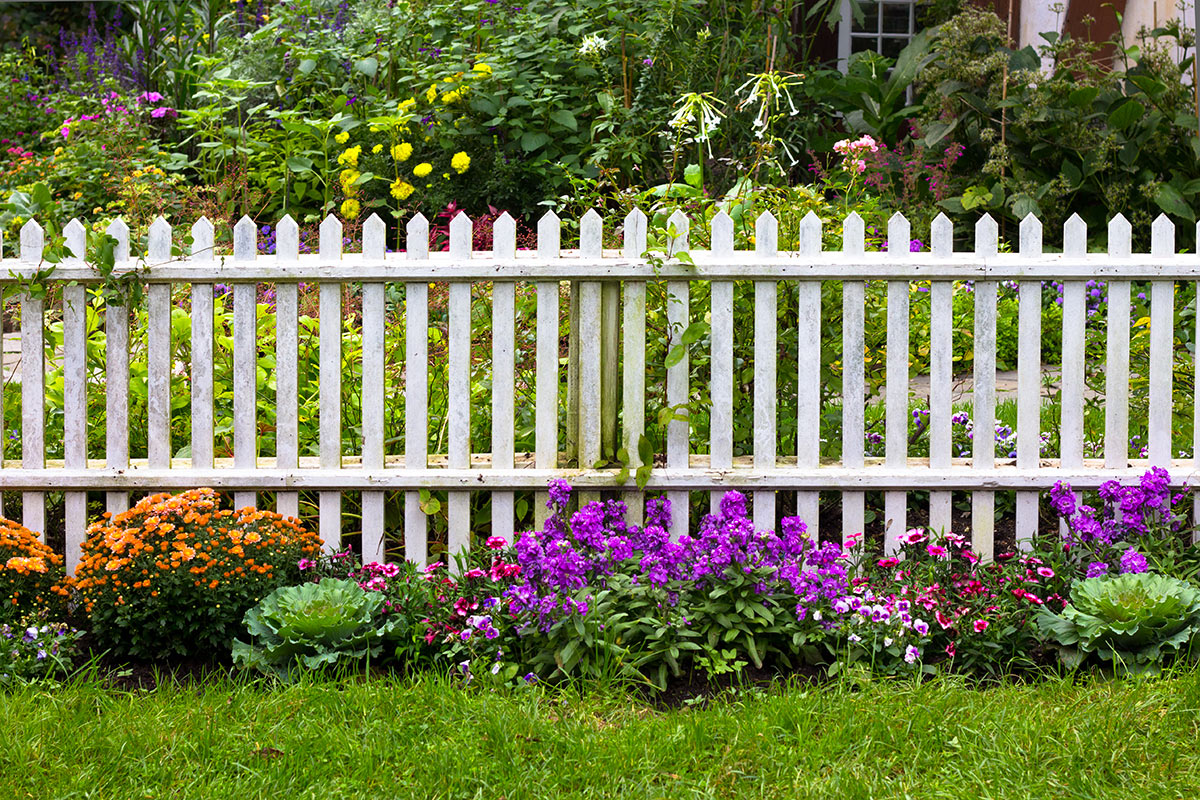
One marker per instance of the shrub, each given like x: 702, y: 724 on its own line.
x: 314, y: 625
x: 1135, y: 620
x: 174, y: 575
x: 31, y: 574
x: 34, y: 648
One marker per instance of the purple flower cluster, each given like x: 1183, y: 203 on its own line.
x: 1127, y: 513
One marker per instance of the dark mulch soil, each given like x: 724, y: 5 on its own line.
x: 124, y: 674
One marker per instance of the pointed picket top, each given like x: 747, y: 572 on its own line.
x: 1120, y: 237
x: 766, y: 235
x: 76, y: 236
x: 1075, y: 236
x: 810, y: 234
x: 374, y: 237
x: 1031, y: 236
x: 158, y: 242
x: 549, y: 230
x: 416, y: 242
x: 330, y: 237
x: 986, y: 235
x: 287, y: 239
x: 679, y: 223
x: 591, y: 235
x: 119, y: 231
x: 33, y: 240
x: 504, y: 237
x: 635, y: 233
x: 941, y: 236
x: 853, y: 234
x: 1162, y: 237
x: 460, y: 236
x: 899, y: 236
x: 202, y: 240
x: 245, y: 240
x: 722, y: 234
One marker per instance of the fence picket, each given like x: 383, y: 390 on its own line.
x: 589, y: 320
x: 1029, y: 380
x: 287, y: 345
x: 983, y: 449
x: 546, y: 390
x: 329, y: 302
x: 677, y: 376
x: 504, y: 245
x: 1074, y: 351
x: 158, y: 351
x: 1116, y: 365
x: 721, y: 423
x: 808, y: 384
x: 766, y: 322
x: 854, y: 392
x: 1162, y: 342
x: 416, y: 390
x: 941, y: 372
x: 895, y: 504
x: 458, y: 454
x: 202, y: 351
x: 116, y: 330
x: 33, y: 382
x: 374, y: 397
x: 75, y: 416
x: 633, y: 397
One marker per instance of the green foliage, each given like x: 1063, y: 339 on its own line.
x: 313, y: 625
x: 1136, y: 621
x: 32, y: 649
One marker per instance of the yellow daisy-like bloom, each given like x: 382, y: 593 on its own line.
x: 412, y: 101
x: 402, y: 151
x: 482, y: 70
x: 342, y: 137
x: 450, y: 98
x: 350, y: 208
x: 422, y: 169
x: 377, y: 149
x: 402, y: 189
x: 431, y: 93
x: 461, y: 162
x: 351, y: 156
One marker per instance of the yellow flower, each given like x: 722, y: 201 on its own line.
x: 482, y: 70
x: 351, y: 156
x: 342, y: 137
x: 422, y: 169
x: 401, y: 189
x: 451, y: 97
x: 461, y: 162
x: 377, y: 149
x: 402, y: 151
x: 431, y: 93
x: 77, y: 195
x: 350, y: 208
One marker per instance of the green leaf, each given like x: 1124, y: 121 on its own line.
x: 695, y: 332
x: 565, y: 118
x: 675, y: 356
x: 299, y: 164
x: 693, y: 175
x: 1172, y: 201
x: 307, y: 66
x: 367, y: 66
x: 1125, y: 115
x: 534, y: 140
x: 1083, y: 97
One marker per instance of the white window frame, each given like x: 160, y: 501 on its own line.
x: 846, y: 31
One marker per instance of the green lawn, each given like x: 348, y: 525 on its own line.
x: 425, y: 738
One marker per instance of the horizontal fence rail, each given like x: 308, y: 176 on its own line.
x: 604, y: 295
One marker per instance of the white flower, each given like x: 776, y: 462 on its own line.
x: 592, y: 45
x: 887, y: 642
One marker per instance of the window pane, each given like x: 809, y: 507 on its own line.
x: 896, y: 17
x: 892, y: 46
x: 870, y: 23
x: 860, y: 43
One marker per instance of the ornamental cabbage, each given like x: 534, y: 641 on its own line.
x: 1136, y: 620
x: 314, y: 625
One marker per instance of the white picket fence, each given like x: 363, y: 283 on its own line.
x: 600, y: 277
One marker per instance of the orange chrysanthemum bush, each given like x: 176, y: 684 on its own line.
x: 32, y: 578
x: 175, y: 574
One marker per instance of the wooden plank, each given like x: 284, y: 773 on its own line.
x: 33, y: 383
x: 1029, y: 381
x: 983, y: 450
x: 895, y: 504
x: 589, y: 393
x: 287, y: 344
x: 854, y: 393
x: 459, y: 389
x: 416, y: 390
x: 547, y: 388
x: 158, y: 350
x: 633, y: 343
x: 329, y: 299
x: 75, y: 410
x: 1074, y: 345
x: 1116, y: 366
x: 941, y: 371
x: 1162, y: 342
x: 721, y: 389
x: 504, y: 245
x: 808, y: 384
x: 374, y: 396
x: 202, y: 350
x: 245, y: 359
x: 116, y: 351
x: 677, y: 377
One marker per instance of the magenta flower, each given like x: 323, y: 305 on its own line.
x: 981, y: 625
x: 937, y: 551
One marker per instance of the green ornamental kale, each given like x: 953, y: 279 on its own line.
x: 1135, y: 620
x: 313, y: 625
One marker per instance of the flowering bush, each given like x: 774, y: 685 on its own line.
x: 33, y: 648
x: 174, y: 575
x: 31, y: 574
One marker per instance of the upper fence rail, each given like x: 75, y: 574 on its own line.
x: 607, y: 286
